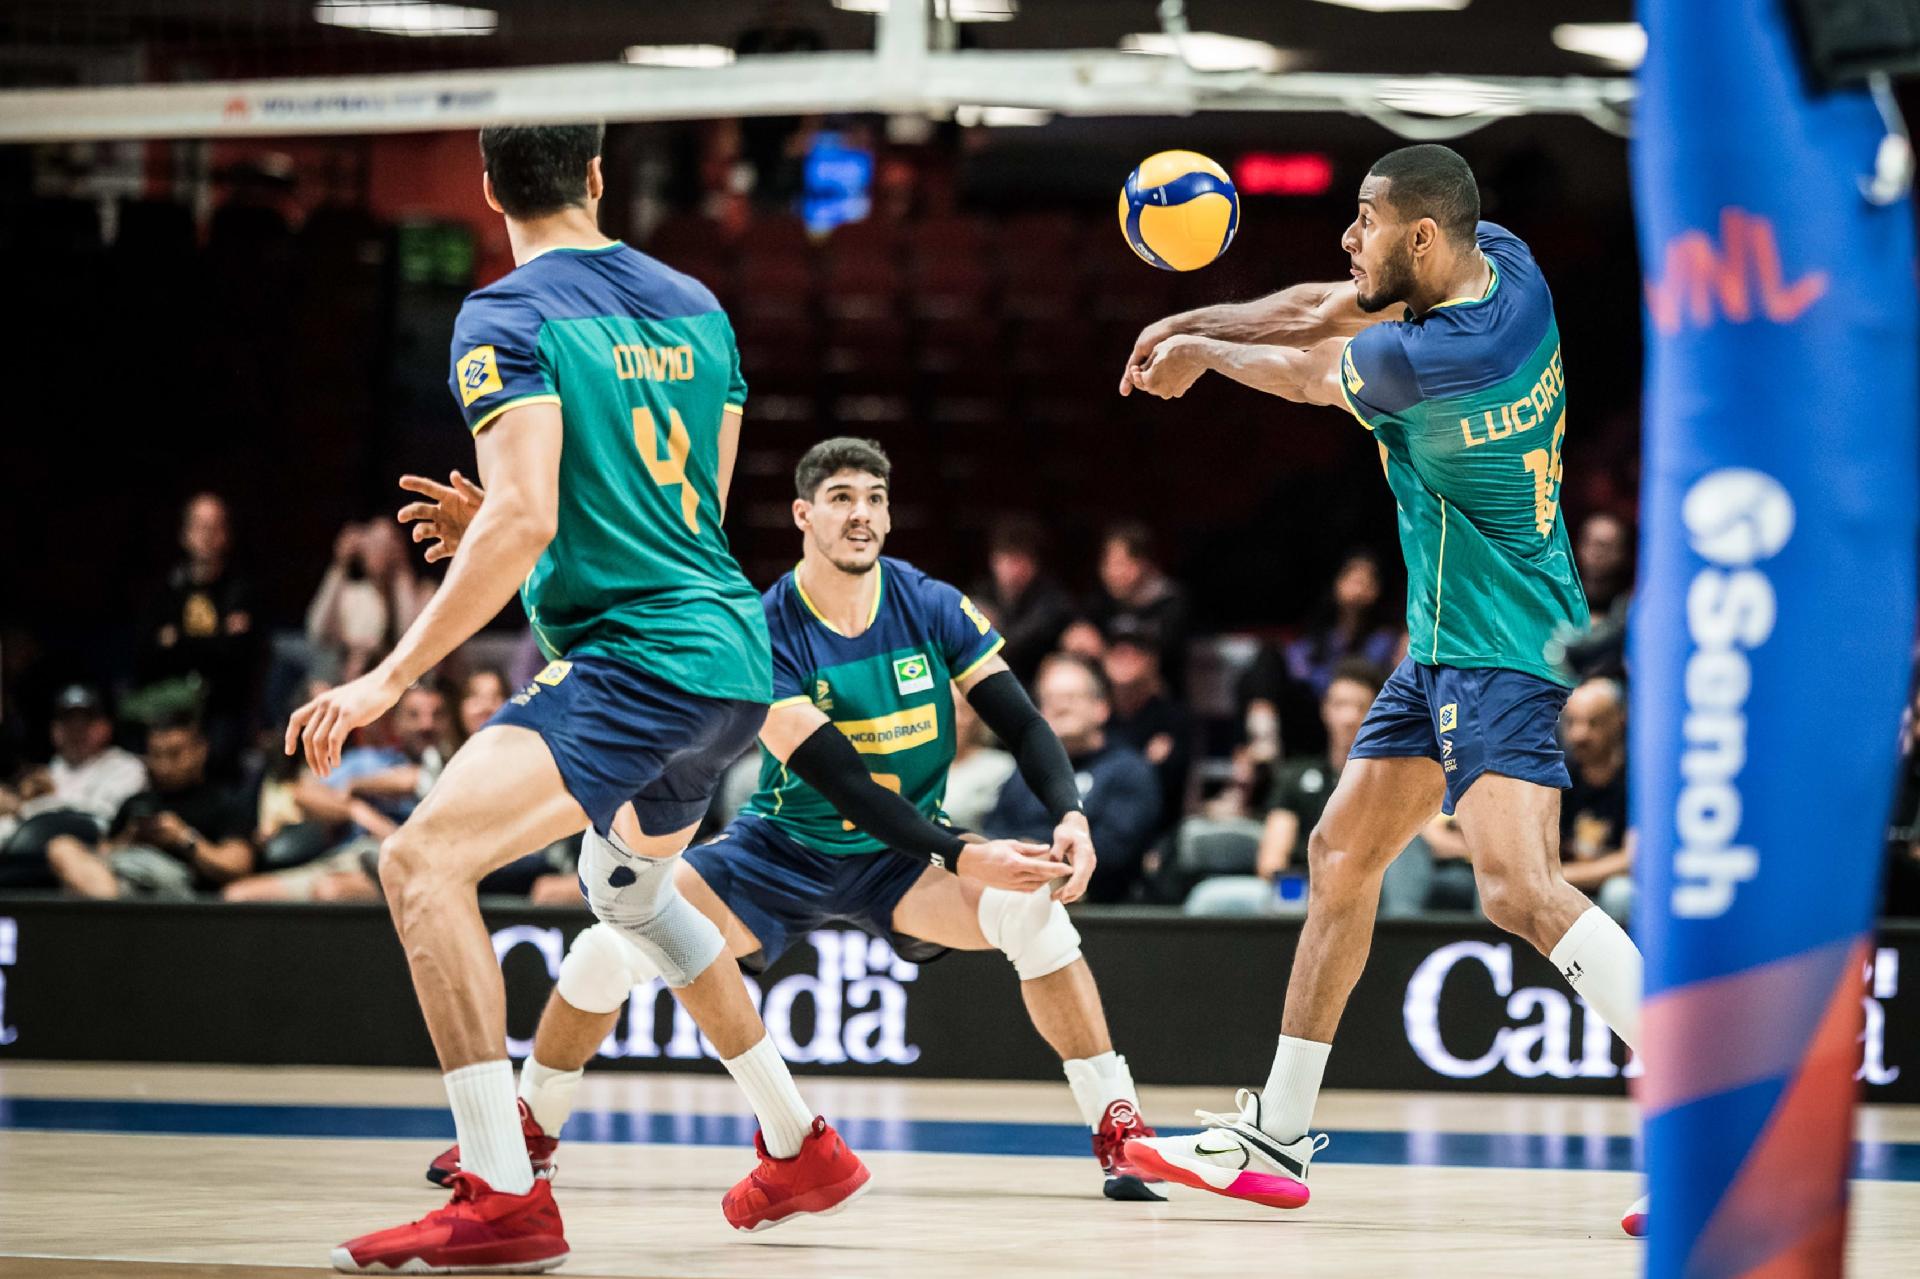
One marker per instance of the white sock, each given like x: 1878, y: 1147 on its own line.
x: 487, y: 1123
x: 1601, y: 962
x: 548, y: 1094
x: 784, y: 1119
x: 1293, y: 1086
x: 1097, y: 1083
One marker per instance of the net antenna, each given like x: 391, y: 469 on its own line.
x: 913, y: 69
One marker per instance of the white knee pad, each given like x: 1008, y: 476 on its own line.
x: 601, y: 967
x: 1031, y: 929
x: 637, y: 896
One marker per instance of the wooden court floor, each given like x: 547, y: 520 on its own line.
x: 128, y: 1172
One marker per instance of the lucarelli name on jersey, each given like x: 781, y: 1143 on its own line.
x: 1735, y: 518
x: 1525, y: 413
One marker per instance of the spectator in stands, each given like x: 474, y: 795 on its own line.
x: 1596, y: 847
x: 1603, y: 552
x: 1145, y: 716
x: 1303, y: 784
x: 1354, y: 620
x: 1133, y: 586
x: 1028, y: 606
x: 1117, y: 786
x: 368, y: 598
x: 202, y: 629
x: 88, y: 779
x: 185, y: 834
x: 979, y: 769
x: 1903, y: 832
x: 361, y: 802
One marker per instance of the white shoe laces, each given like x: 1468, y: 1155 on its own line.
x: 1249, y: 1113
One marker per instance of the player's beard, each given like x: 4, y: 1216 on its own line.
x: 852, y: 566
x: 1393, y: 281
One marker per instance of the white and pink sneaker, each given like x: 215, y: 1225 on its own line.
x: 1232, y: 1156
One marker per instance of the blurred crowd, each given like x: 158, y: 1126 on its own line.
x: 1204, y: 761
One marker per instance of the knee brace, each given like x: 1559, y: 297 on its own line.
x: 600, y: 969
x: 1031, y: 929
x: 637, y: 896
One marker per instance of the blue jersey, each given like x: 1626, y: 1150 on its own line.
x: 889, y: 689
x: 1468, y: 405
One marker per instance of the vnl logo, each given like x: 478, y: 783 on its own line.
x: 1735, y: 518
x: 853, y: 1005
x: 1736, y: 279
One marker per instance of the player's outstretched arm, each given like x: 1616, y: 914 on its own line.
x: 997, y: 696
x: 801, y: 737
x: 520, y: 465
x: 1306, y: 377
x: 1297, y: 316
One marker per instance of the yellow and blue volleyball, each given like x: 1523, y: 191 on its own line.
x: 1179, y: 210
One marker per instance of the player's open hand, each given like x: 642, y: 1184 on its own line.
x: 325, y: 723
x: 1151, y: 336
x: 1175, y: 365
x: 1073, y: 844
x: 442, y: 520
x: 1010, y: 864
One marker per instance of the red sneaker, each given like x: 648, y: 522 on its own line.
x: 1121, y: 1124
x: 540, y: 1148
x: 823, y: 1178
x: 480, y: 1231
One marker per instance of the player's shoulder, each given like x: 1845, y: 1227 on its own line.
x: 1503, y: 246
x: 617, y: 279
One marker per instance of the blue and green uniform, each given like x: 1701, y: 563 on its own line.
x: 1468, y: 406
x: 659, y: 673
x: 790, y: 863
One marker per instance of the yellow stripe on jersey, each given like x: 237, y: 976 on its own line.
x: 982, y: 660
x: 493, y: 413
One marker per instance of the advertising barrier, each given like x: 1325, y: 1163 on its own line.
x: 1448, y: 1005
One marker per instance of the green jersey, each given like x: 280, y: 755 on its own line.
x: 643, y: 364
x: 889, y: 689
x: 1468, y: 405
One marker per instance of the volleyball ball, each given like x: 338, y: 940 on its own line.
x: 1179, y: 210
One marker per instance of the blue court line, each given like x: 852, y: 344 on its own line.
x: 1873, y: 1160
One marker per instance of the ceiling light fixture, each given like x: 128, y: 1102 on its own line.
x: 678, y: 55
x: 393, y: 19
x: 1211, y: 51
x: 1622, y: 45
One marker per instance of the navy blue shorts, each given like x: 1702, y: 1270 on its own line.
x: 1470, y: 722
x: 619, y: 734
x: 782, y: 890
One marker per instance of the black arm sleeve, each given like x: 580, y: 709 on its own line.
x: 827, y: 762
x: 1004, y: 707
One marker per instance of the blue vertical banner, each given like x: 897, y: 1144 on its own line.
x: 1773, y: 627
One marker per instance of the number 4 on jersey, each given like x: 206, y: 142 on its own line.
x: 672, y: 469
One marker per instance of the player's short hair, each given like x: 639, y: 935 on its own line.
x: 1432, y: 181
x: 1358, y: 670
x: 841, y: 453
x: 1132, y: 534
x: 1102, y: 687
x: 539, y: 169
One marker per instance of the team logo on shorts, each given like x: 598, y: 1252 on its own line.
x: 477, y: 374
x: 913, y: 674
x: 1449, y: 716
x: 555, y: 672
